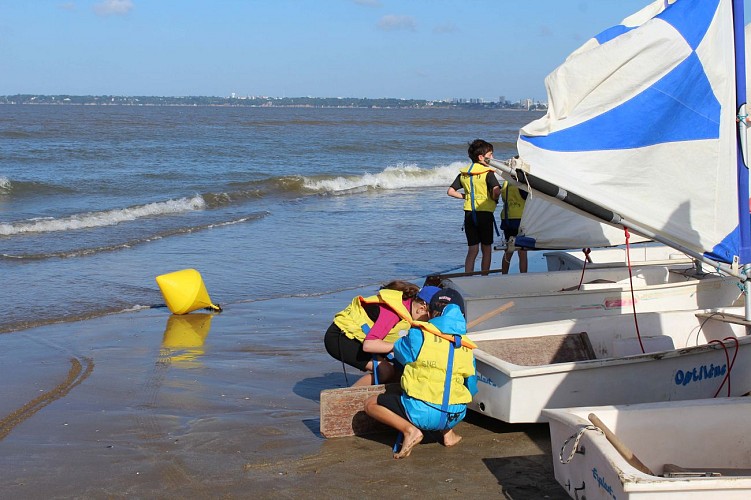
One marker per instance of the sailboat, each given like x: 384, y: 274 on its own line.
x: 645, y: 131
x: 632, y: 114
x: 680, y: 450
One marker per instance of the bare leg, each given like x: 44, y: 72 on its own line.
x: 412, y: 435
x: 450, y: 438
x: 506, y: 261
x: 386, y: 374
x: 487, y: 254
x: 366, y: 379
x: 469, y: 261
x: 522, y: 261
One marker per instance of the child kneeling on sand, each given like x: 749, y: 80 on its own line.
x: 439, y: 376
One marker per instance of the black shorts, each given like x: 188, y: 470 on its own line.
x: 394, y: 403
x: 345, y: 349
x: 510, y: 228
x: 482, y: 232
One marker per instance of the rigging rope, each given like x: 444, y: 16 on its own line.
x: 727, y: 360
x: 631, y: 286
x: 584, y: 267
x: 578, y: 437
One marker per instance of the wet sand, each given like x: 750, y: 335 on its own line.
x: 147, y: 405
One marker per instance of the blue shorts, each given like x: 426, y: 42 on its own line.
x: 427, y: 416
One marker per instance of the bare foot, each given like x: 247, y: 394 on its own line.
x: 450, y: 438
x: 412, y: 438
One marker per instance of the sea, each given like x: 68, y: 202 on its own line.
x: 266, y: 203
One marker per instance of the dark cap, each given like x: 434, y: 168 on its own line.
x: 444, y: 297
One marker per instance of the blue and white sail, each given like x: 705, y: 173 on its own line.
x: 642, y: 122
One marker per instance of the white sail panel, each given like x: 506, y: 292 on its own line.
x: 642, y: 122
x: 555, y: 226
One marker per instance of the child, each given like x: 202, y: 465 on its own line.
x: 481, y: 192
x: 511, y: 216
x: 381, y: 316
x: 434, y: 355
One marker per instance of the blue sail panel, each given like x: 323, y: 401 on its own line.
x: 683, y: 99
x: 726, y: 249
x: 691, y: 19
x: 612, y: 33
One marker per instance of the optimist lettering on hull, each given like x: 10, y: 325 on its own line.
x: 485, y: 380
x: 699, y: 373
x: 602, y: 484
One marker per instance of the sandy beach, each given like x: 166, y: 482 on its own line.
x: 149, y: 405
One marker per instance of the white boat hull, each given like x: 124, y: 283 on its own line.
x: 525, y: 369
x: 699, y: 435
x: 515, y: 299
x: 661, y: 255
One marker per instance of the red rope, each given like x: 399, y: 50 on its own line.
x: 727, y: 360
x: 631, y: 285
x: 584, y: 267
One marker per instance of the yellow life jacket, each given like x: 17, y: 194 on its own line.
x: 425, y: 378
x: 353, y: 319
x: 475, y: 184
x: 513, y: 203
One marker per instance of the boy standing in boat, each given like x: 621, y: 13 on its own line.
x: 481, y: 193
x: 439, y: 377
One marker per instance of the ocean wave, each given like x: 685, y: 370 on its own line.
x: 13, y: 188
x: 398, y: 177
x: 103, y: 218
x: 82, y: 252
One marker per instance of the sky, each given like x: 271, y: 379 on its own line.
x: 411, y: 49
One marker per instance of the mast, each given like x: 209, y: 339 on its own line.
x: 744, y: 218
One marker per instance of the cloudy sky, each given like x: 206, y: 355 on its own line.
x: 425, y: 49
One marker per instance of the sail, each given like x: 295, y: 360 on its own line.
x: 547, y: 225
x: 641, y: 121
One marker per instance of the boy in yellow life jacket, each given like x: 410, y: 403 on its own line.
x: 439, y: 378
x: 481, y: 192
x: 511, y: 215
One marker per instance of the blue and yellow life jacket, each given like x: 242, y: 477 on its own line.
x: 426, y: 379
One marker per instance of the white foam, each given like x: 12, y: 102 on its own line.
x: 5, y: 185
x: 398, y: 177
x: 104, y: 218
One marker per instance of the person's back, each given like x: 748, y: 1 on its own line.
x: 480, y: 194
x: 513, y: 200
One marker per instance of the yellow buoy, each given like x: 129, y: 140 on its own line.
x: 184, y: 291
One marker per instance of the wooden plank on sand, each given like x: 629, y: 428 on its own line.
x: 342, y: 411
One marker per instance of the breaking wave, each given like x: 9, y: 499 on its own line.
x: 103, y: 218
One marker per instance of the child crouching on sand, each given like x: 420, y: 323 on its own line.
x: 439, y: 376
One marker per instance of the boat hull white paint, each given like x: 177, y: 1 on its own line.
x: 535, y: 297
x: 662, y: 255
x: 699, y: 434
x: 680, y: 364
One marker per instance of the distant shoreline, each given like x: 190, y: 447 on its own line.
x: 267, y: 102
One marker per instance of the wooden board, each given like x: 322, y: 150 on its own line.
x: 342, y: 411
x: 536, y: 351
